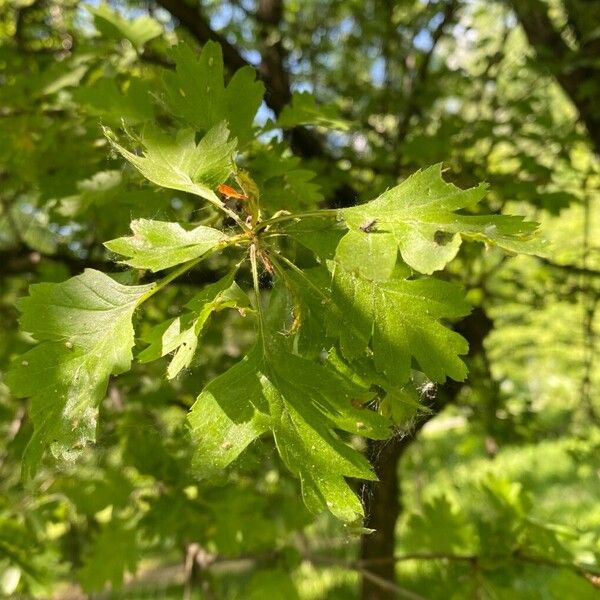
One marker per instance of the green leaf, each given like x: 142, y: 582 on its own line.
x: 399, y: 320
x: 112, y: 553
x: 440, y: 528
x: 111, y: 24
x: 420, y: 218
x: 180, y: 335
x: 158, y: 245
x: 304, y: 404
x: 105, y: 99
x: 181, y: 164
x: 196, y: 91
x: 400, y: 403
x: 86, y: 334
x: 320, y: 236
x: 303, y: 110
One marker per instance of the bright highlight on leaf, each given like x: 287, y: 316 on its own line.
x: 111, y: 24
x: 304, y: 404
x: 85, y: 333
x: 180, y: 335
x: 181, y: 164
x: 157, y: 245
x: 420, y: 218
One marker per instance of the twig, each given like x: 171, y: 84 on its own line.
x: 384, y: 584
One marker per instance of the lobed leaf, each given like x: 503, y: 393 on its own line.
x: 400, y: 320
x: 86, y: 334
x: 303, y: 403
x: 180, y: 335
x: 420, y: 218
x: 196, y: 91
x: 181, y: 164
x: 158, y: 245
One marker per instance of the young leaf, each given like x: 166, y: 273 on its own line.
x: 420, y: 217
x: 180, y: 335
x: 84, y: 326
x: 196, y: 91
x: 157, y: 245
x: 303, y: 403
x: 180, y: 164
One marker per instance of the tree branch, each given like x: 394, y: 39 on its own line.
x: 271, y: 71
x: 590, y: 572
x: 561, y: 62
x: 195, y: 22
x: 571, y: 269
x: 388, y: 586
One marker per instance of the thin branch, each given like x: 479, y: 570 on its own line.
x: 272, y: 72
x: 571, y: 269
x: 384, y: 584
x: 196, y: 23
x: 588, y: 571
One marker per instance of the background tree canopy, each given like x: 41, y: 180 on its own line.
x: 278, y: 321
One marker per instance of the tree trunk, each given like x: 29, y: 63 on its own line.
x: 573, y: 69
x: 382, y: 498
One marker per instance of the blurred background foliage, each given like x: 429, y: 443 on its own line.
x: 491, y: 494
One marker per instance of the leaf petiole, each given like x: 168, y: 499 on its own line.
x: 327, y: 213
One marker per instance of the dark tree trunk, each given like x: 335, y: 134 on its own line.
x: 382, y: 498
x: 382, y: 507
x: 574, y: 70
x: 383, y: 504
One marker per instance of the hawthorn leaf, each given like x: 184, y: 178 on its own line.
x: 320, y: 236
x: 84, y: 326
x: 400, y: 320
x: 420, y: 218
x: 389, y: 323
x: 113, y: 552
x: 304, y: 404
x: 158, y: 245
x: 180, y: 335
x: 196, y: 91
x: 181, y: 164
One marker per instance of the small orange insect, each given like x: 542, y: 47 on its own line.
x: 229, y: 192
